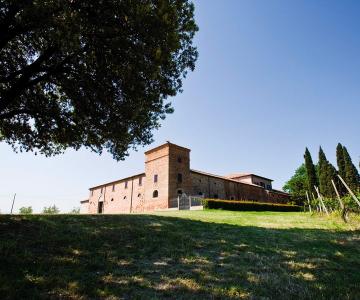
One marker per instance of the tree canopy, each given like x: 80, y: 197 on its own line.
x: 90, y: 73
x: 327, y: 172
x: 298, y: 185
x: 312, y: 178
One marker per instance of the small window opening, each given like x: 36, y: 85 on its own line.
x: 126, y: 184
x: 155, y: 178
x: 179, y: 178
x: 179, y: 159
x: 113, y: 188
x: 140, y: 181
x: 155, y: 194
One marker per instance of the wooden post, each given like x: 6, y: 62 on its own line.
x: 12, y: 206
x: 337, y: 194
x: 307, y: 196
x: 321, y: 200
x: 349, y: 190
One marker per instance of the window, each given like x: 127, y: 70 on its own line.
x: 179, y: 178
x: 124, y: 197
x: 216, y: 196
x: 140, y: 181
x: 179, y: 192
x: 232, y: 198
x: 92, y: 192
x: 126, y: 184
x: 112, y: 199
x: 155, y: 194
x: 179, y: 159
x: 269, y: 186
x: 101, y: 207
x: 139, y: 195
x: 200, y: 193
x: 155, y: 178
x: 262, y: 184
x: 101, y: 190
x: 113, y: 188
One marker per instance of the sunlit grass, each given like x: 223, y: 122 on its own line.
x: 180, y: 255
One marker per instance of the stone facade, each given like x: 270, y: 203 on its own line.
x: 168, y: 175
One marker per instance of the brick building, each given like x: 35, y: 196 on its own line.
x: 168, y: 175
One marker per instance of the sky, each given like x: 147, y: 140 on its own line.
x: 273, y: 77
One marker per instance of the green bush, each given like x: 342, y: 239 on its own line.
x: 51, y: 210
x: 248, y: 205
x: 25, y: 210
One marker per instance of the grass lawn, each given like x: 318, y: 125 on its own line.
x: 179, y: 255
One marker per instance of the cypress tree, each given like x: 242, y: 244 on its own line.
x: 327, y: 172
x: 352, y: 177
x: 312, y: 178
x: 341, y: 167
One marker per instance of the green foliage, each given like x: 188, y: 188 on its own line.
x: 26, y: 210
x: 51, y: 210
x: 297, y: 185
x: 248, y: 205
x: 75, y: 211
x: 91, y: 73
x: 312, y: 177
x: 341, y: 167
x: 352, y: 177
x: 327, y: 172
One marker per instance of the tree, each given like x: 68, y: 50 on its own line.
x: 297, y: 185
x: 352, y: 177
x: 312, y: 178
x: 327, y: 172
x: 51, y: 210
x: 341, y: 167
x: 91, y: 73
x: 75, y: 210
x: 26, y: 210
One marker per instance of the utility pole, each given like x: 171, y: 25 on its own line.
x: 12, y: 206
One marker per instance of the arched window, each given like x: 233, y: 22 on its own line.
x: 155, y: 194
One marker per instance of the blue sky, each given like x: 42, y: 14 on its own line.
x: 273, y: 77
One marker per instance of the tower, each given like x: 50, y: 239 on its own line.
x: 167, y: 170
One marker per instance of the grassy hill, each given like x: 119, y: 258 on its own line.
x: 179, y: 255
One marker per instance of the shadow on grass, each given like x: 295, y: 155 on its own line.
x: 142, y: 256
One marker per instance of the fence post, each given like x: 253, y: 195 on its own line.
x: 349, y: 190
x: 337, y: 194
x: 321, y: 200
x: 307, y: 196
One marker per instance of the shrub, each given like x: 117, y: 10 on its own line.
x: 26, y: 210
x: 75, y: 211
x: 248, y: 205
x: 51, y: 210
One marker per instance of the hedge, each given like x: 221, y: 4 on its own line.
x: 248, y: 205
